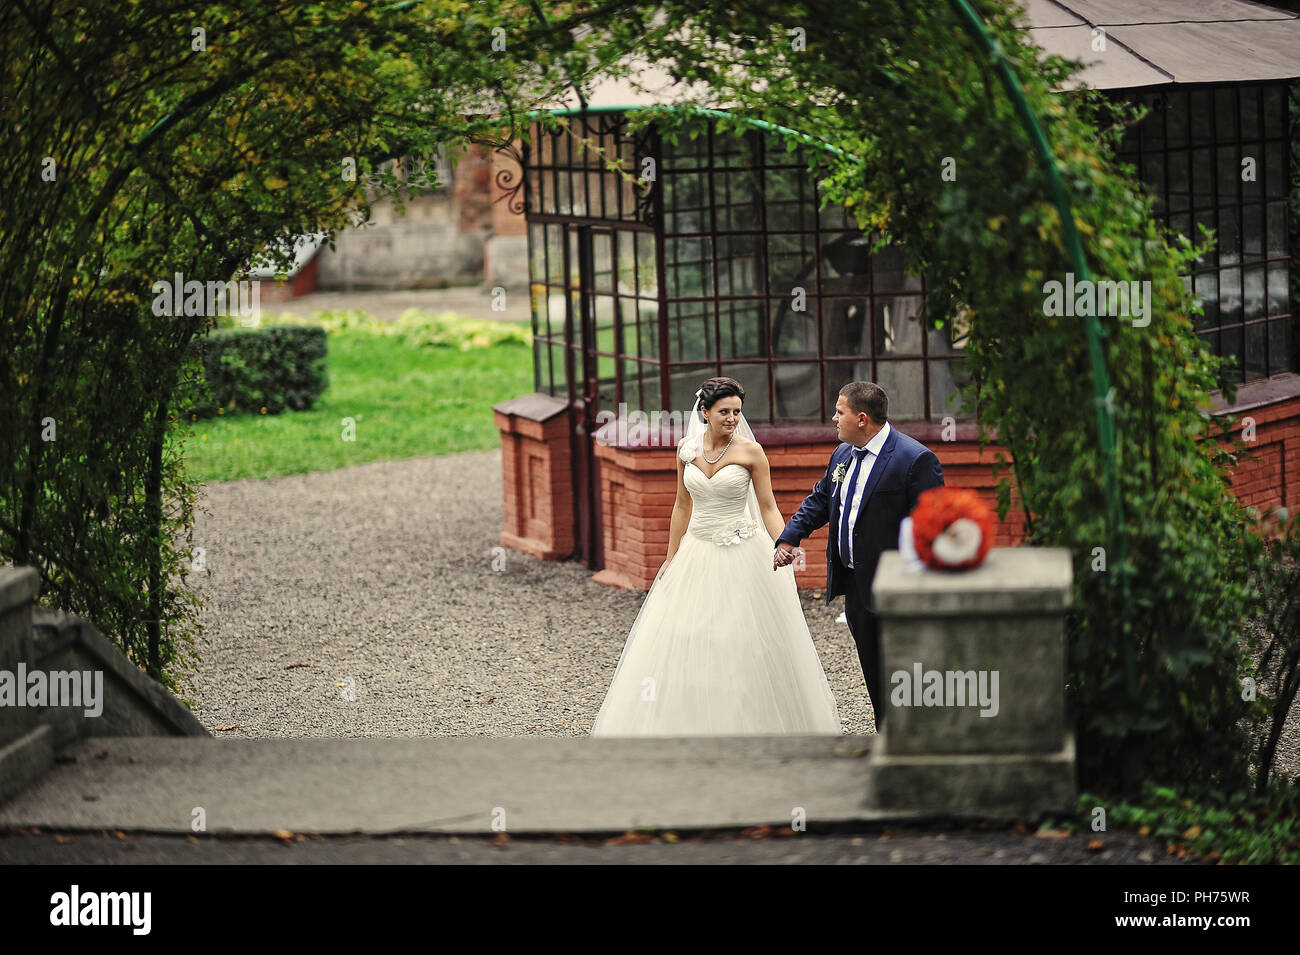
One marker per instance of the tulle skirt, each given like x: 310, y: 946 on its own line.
x: 720, y: 647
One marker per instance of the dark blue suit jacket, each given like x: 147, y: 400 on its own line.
x: 904, y: 469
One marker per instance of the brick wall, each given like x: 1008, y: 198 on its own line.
x: 1270, y: 467
x: 638, y: 485
x: 472, y: 188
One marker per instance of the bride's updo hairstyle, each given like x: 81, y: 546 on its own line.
x: 716, y: 388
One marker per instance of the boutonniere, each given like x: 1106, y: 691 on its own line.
x: 838, y: 475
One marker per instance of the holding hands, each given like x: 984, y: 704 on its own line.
x: 784, y: 555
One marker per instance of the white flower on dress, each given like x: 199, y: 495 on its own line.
x: 687, y: 451
x: 737, y: 530
x: 838, y: 474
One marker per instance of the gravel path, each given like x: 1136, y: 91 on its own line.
x: 380, y: 577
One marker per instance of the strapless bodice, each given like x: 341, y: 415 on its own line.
x: 718, y: 512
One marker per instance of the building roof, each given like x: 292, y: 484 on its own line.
x: 648, y: 85
x: 1148, y: 43
x: 305, y: 248
x: 1157, y: 42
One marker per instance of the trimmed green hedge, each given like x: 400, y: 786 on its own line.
x: 248, y: 369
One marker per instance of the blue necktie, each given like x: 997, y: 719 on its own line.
x: 847, y: 507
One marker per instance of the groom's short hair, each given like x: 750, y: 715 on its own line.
x: 868, y: 397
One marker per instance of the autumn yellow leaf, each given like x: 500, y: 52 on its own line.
x: 1053, y: 834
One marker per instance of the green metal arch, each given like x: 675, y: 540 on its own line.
x: 1074, y: 248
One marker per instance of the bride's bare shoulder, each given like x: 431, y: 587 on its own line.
x: 751, y: 450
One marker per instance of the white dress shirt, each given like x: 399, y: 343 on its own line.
x: 873, y: 451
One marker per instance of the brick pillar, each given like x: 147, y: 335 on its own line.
x: 637, y: 490
x: 536, y: 476
x: 1265, y: 475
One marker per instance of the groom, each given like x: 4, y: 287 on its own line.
x: 870, y: 485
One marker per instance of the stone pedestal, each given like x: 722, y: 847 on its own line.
x: 974, y: 669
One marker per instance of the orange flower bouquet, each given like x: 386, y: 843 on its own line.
x: 952, y: 528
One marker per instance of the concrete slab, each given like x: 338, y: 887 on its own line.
x: 449, y: 784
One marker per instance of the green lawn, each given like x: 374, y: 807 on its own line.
x: 406, y: 401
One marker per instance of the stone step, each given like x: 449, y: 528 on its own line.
x: 455, y: 784
x: 25, y: 759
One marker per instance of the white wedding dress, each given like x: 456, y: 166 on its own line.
x: 720, y: 646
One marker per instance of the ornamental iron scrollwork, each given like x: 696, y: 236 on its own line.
x: 646, y: 143
x: 513, y: 184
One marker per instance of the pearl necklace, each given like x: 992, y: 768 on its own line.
x: 719, y: 457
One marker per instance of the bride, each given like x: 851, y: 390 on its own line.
x: 720, y: 645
